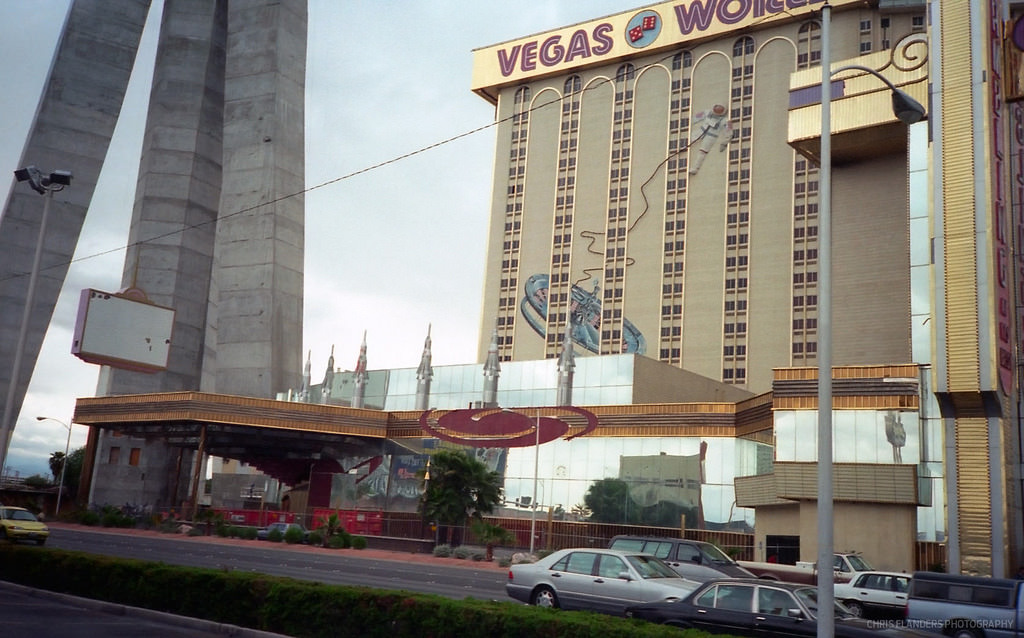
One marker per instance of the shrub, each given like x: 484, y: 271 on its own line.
x: 294, y: 535
x: 315, y: 538
x: 463, y: 552
x: 37, y: 481
x: 504, y: 562
x: 89, y: 518
x: 443, y: 551
x: 247, y: 533
x: 358, y: 542
x: 275, y: 536
x: 339, y: 541
x: 223, y: 531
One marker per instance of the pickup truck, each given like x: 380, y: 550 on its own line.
x: 846, y: 566
x: 966, y: 606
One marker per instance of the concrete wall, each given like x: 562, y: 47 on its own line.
x: 71, y: 131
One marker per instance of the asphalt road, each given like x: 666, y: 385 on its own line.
x: 29, y: 612
x: 403, y: 572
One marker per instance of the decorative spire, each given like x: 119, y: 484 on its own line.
x: 492, y: 370
x: 306, y: 377
x: 566, y: 368
x: 328, y: 384
x: 359, y: 393
x: 423, y: 376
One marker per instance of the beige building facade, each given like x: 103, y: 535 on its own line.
x: 656, y: 191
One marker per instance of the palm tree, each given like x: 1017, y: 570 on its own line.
x: 56, y: 463
x: 330, y: 525
x: 457, y: 488
x: 491, y: 535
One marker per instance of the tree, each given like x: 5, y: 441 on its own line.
x: 73, y: 471
x: 56, y: 463
x: 609, y: 502
x: 457, y: 487
x: 491, y: 535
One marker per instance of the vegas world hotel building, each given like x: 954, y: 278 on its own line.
x: 655, y: 197
x: 656, y: 192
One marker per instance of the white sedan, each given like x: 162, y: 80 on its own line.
x: 877, y: 592
x: 603, y: 580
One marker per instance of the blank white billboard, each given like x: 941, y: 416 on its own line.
x: 122, y: 332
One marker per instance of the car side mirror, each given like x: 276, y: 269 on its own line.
x: 795, y: 612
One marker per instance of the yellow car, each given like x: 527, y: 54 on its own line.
x: 19, y: 524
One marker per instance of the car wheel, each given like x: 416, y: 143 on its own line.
x: 963, y: 632
x: 40, y: 541
x: 3, y: 533
x: 545, y: 597
x: 855, y: 608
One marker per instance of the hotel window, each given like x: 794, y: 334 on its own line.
x: 114, y: 456
x: 573, y: 84
x: 133, y: 456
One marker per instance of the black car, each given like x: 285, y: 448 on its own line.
x: 760, y: 608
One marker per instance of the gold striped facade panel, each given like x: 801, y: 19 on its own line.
x: 900, y: 371
x: 974, y: 494
x: 231, y: 410
x: 851, y: 482
x: 960, y: 115
x: 757, y: 491
x: 908, y: 403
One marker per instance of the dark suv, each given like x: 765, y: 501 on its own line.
x: 695, y: 560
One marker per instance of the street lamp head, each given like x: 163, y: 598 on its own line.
x: 42, y: 183
x: 907, y: 109
x: 33, y: 176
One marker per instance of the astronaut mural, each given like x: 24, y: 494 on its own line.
x: 712, y: 127
x: 584, y: 316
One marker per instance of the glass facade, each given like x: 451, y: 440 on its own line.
x: 642, y: 480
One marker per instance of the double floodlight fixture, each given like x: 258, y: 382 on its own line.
x: 41, y: 183
x: 905, y: 108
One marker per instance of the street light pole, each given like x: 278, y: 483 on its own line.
x: 46, y: 186
x: 826, y: 578
x: 908, y: 111
x: 64, y: 465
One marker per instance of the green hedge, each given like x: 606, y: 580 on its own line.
x: 299, y: 608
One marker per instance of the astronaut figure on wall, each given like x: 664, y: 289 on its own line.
x: 713, y: 127
x: 896, y: 435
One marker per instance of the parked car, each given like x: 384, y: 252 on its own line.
x: 845, y: 566
x: 966, y: 606
x: 761, y: 608
x: 695, y: 560
x: 875, y: 594
x: 19, y: 524
x: 264, y: 533
x: 603, y: 580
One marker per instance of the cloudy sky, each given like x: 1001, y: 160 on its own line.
x: 389, y: 251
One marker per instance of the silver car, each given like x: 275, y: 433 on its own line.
x: 603, y: 580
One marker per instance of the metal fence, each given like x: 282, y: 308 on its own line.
x: 555, y: 534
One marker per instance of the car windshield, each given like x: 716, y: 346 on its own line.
x: 715, y: 555
x: 809, y: 597
x: 858, y: 563
x: 19, y: 515
x: 651, y: 567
